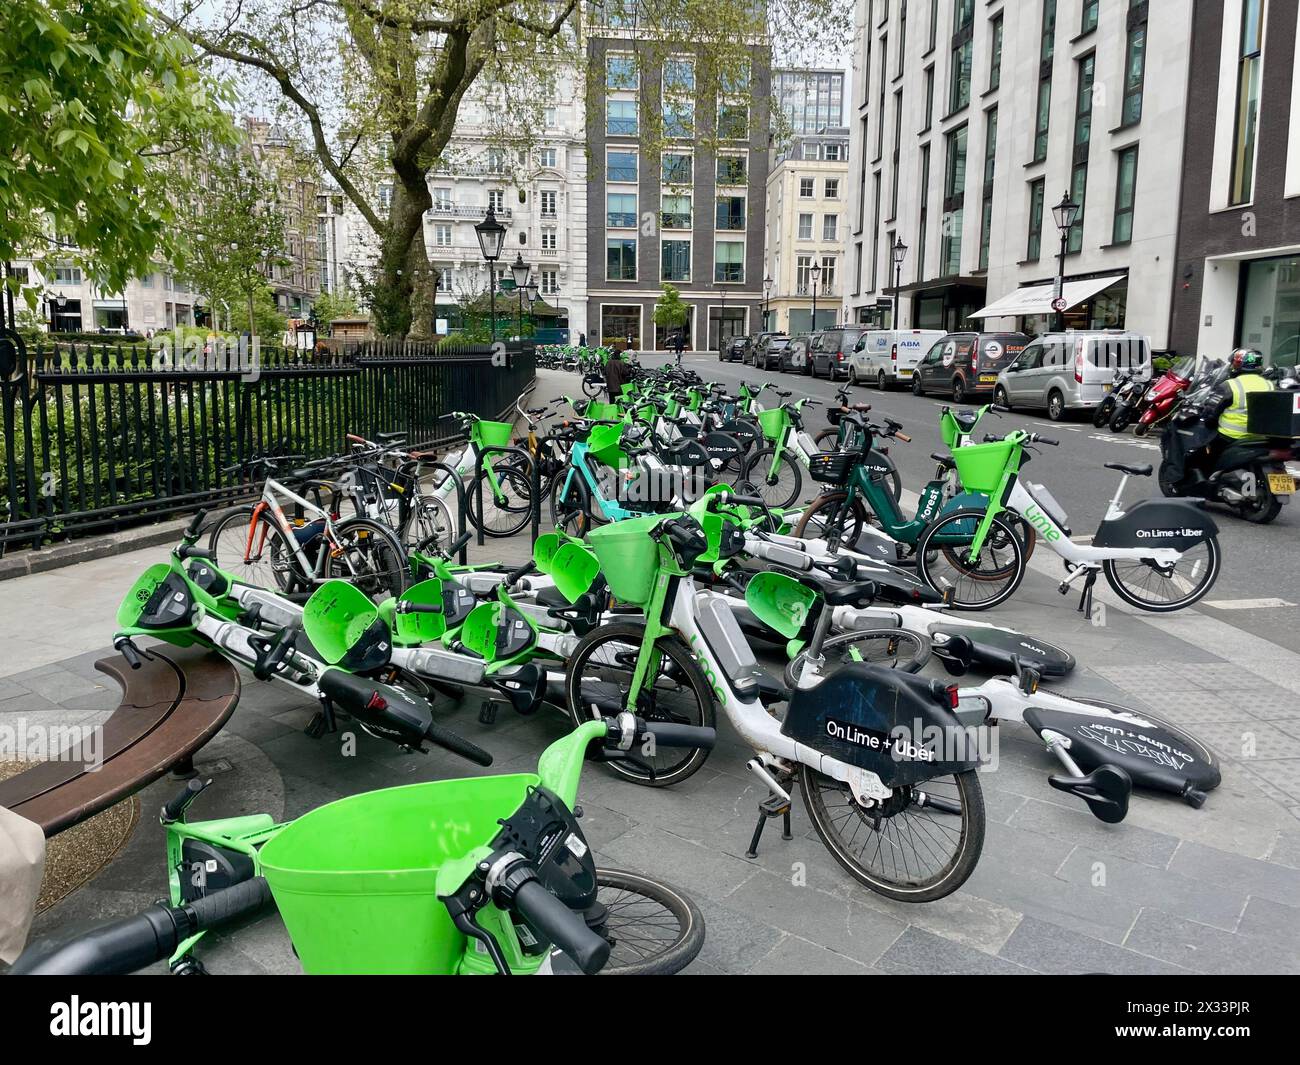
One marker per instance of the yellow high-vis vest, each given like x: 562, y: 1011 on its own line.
x: 1232, y: 422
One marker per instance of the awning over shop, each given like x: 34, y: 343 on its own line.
x: 1037, y: 299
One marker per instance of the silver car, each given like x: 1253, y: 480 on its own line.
x: 1062, y: 372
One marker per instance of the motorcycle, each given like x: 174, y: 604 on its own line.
x: 1251, y: 477
x: 1160, y: 401
x: 1120, y: 400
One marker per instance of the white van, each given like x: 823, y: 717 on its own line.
x: 885, y: 357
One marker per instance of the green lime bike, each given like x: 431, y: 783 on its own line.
x: 448, y: 877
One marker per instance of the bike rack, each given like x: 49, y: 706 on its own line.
x: 460, y: 502
x: 478, y: 482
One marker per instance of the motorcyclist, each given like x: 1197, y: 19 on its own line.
x: 1230, y: 399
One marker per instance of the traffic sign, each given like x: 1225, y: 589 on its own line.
x: 1059, y: 304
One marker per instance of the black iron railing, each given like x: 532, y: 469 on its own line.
x: 96, y: 437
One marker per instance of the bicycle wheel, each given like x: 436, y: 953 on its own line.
x: 974, y: 583
x: 254, y: 552
x: 1160, y: 589
x: 827, y: 518
x: 368, y: 555
x: 828, y: 439
x: 571, y: 507
x: 504, y: 513
x: 779, y: 488
x: 653, y: 929
x: 598, y: 678
x: 428, y: 527
x: 919, y: 845
x: 893, y: 648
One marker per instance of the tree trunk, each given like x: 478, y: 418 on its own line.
x: 403, y: 260
x: 252, y: 317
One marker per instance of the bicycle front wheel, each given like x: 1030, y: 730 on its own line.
x: 653, y: 929
x: 508, y: 508
x: 919, y: 845
x: 898, y: 649
x: 974, y: 582
x: 428, y: 526
x: 599, y: 677
x: 778, y: 487
x: 253, y: 551
x: 368, y: 554
x: 1161, y: 589
x: 828, y: 519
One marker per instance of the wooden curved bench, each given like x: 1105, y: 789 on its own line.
x: 171, y: 706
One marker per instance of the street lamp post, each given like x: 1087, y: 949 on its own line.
x: 722, y: 316
x: 816, y: 274
x: 1066, y: 214
x: 519, y: 271
x: 530, y: 295
x: 491, y: 235
x: 767, y: 301
x: 900, y: 253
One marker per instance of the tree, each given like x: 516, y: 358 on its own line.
x: 670, y: 311
x: 329, y: 306
x: 396, y: 73
x: 91, y: 97
x: 235, y: 234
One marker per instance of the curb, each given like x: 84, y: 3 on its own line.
x: 25, y: 563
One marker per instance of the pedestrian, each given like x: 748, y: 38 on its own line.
x: 678, y: 344
x: 582, y: 340
x: 618, y: 372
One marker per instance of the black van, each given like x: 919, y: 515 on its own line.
x: 962, y: 365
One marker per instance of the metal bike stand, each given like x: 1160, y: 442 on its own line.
x: 461, y: 499
x: 478, y: 477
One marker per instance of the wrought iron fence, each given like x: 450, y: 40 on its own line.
x: 98, y: 437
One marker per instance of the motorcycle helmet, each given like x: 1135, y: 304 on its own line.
x: 1246, y: 360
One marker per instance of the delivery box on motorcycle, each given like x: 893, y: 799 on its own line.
x: 896, y: 725
x: 1273, y: 413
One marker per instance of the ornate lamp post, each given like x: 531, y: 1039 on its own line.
x: 1066, y: 214
x: 519, y: 271
x: 767, y: 300
x: 900, y: 253
x: 816, y: 274
x: 491, y: 235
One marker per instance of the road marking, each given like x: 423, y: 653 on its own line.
x: 1124, y: 440
x: 1247, y: 604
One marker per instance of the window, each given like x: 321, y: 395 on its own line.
x: 803, y: 275
x: 677, y: 169
x: 1089, y: 16
x: 67, y: 274
x: 733, y: 121
x: 875, y: 236
x: 385, y: 196
x: 832, y: 188
x: 1135, y: 53
x: 496, y: 163
x: 830, y: 227
x: 896, y: 164
x: 620, y: 210
x: 934, y: 25
x: 1044, y: 119
x: 549, y: 239
x: 1082, y: 141
x: 925, y: 209
x: 676, y: 260
x: 442, y: 235
x: 675, y: 212
x: 954, y: 197
x: 548, y: 157
x: 1250, y: 65
x: 1037, y: 191
x: 1047, y: 48
x: 805, y: 226
x: 444, y: 278
x: 731, y: 212
x: 986, y: 200
x: 679, y: 75
x: 731, y: 170
x: 729, y: 261
x: 620, y: 324
x: 902, y: 36
x: 736, y: 82
x: 620, y: 259
x: 929, y: 98
x: 828, y: 274
x: 496, y: 201
x: 550, y: 283
x: 620, y: 118
x: 621, y: 166
x: 959, y: 86
x: 548, y: 203
x: 880, y: 111
x: 835, y: 152
x: 442, y: 199
x: 995, y: 53
x: 807, y: 188
x: 679, y: 117
x: 550, y: 117
x: 1125, y: 194
x: 620, y: 72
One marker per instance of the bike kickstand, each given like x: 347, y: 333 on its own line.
x: 1085, y: 600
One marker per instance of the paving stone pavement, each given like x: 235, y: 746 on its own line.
x: 1171, y: 890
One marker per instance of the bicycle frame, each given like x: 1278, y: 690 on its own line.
x: 272, y: 490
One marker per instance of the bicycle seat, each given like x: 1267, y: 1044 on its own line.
x: 854, y: 593
x: 966, y: 419
x: 1136, y: 471
x: 946, y: 461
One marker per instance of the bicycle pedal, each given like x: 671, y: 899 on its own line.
x: 774, y: 806
x: 487, y: 714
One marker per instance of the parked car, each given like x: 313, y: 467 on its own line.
x: 885, y: 357
x: 794, y: 356
x: 964, y: 365
x: 733, y: 350
x: 831, y: 351
x: 756, y: 341
x: 767, y: 351
x: 1062, y: 372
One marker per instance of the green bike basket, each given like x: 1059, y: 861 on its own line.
x: 409, y: 630
x: 774, y: 423
x: 779, y: 602
x: 573, y: 569
x: 603, y: 445
x: 336, y: 616
x: 672, y: 408
x: 491, y: 434
x: 948, y: 427
x: 355, y: 880
x: 602, y: 412
x: 544, y: 549
x: 980, y: 466
x: 629, y: 557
